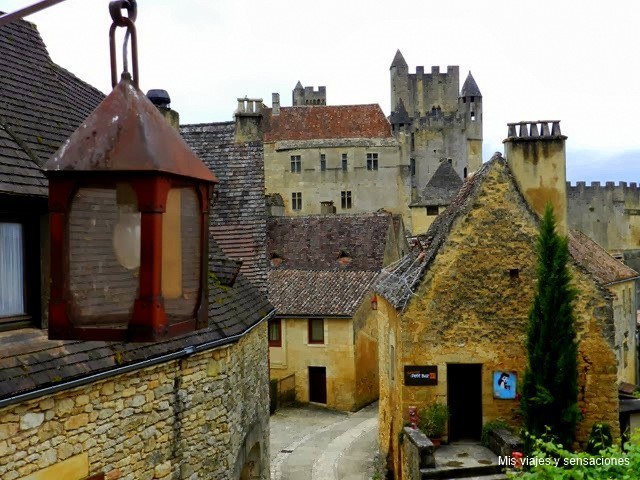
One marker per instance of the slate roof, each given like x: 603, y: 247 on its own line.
x: 29, y: 360
x: 470, y: 87
x: 398, y: 282
x: 398, y: 60
x: 597, y: 261
x: 41, y: 104
x: 320, y: 122
x: 441, y: 188
x: 314, y: 242
x: 322, y: 293
x: 238, y: 218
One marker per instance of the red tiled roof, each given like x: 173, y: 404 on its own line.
x: 324, y: 122
x: 596, y: 260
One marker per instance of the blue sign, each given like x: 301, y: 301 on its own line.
x: 504, y: 385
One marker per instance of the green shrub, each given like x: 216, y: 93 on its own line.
x: 556, y: 463
x: 600, y: 438
x: 433, y: 419
x: 489, y: 427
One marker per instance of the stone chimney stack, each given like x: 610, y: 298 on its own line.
x: 536, y: 155
x: 275, y: 104
x: 160, y: 98
x: 248, y: 120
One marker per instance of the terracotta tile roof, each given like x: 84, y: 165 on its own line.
x: 238, y: 218
x: 596, y: 260
x: 325, y: 293
x: 41, y: 104
x: 314, y: 242
x: 326, y: 122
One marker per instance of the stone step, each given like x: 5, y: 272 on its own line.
x: 484, y: 472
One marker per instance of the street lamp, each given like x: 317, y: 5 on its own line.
x: 129, y: 204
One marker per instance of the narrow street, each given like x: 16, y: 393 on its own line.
x: 319, y: 444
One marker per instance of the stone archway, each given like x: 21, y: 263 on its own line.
x: 252, y: 466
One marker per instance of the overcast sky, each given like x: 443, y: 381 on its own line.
x: 544, y: 59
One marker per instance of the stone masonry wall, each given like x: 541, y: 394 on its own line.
x: 192, y: 418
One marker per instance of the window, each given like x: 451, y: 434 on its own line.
x: 295, y: 163
x: 344, y: 162
x: 345, y: 199
x: 413, y: 167
x: 12, y: 292
x: 275, y: 333
x: 323, y: 162
x: 316, y: 330
x: 465, y: 172
x: 296, y: 201
x: 473, y: 116
x: 372, y: 161
x: 432, y: 210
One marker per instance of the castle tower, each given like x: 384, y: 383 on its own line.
x: 434, y: 121
x: 536, y: 156
x: 470, y: 107
x: 307, y: 96
x: 399, y: 72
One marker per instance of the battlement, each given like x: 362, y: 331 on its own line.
x: 309, y: 95
x: 534, y: 130
x: 607, y: 186
x: 452, y: 70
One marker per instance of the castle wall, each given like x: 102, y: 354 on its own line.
x: 202, y: 416
x: 609, y: 214
x: 387, y: 187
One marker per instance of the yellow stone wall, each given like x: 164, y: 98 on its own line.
x: 388, y: 187
x: 420, y: 221
x: 349, y: 354
x: 468, y: 309
x: 183, y: 418
x: 624, y: 313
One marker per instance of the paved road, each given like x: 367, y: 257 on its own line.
x: 311, y: 443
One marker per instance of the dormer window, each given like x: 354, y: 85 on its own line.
x: 344, y: 257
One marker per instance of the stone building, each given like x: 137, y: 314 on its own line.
x: 457, y: 323
x: 324, y: 336
x: 435, y: 121
x: 344, y: 154
x: 195, y: 405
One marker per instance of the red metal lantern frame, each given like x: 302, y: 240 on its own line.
x: 148, y: 321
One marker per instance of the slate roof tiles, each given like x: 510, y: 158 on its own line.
x: 238, y: 218
x: 41, y: 104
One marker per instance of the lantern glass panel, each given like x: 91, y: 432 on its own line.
x: 181, y: 255
x: 104, y: 254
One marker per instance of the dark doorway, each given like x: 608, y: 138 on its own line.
x: 464, y: 395
x: 318, y: 384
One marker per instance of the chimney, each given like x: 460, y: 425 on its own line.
x: 536, y: 155
x: 160, y: 98
x: 248, y: 120
x: 327, y: 208
x: 275, y: 104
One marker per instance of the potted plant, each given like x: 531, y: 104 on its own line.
x: 433, y: 420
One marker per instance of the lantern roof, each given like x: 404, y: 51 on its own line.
x: 127, y: 133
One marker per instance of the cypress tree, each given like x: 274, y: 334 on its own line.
x: 550, y: 385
